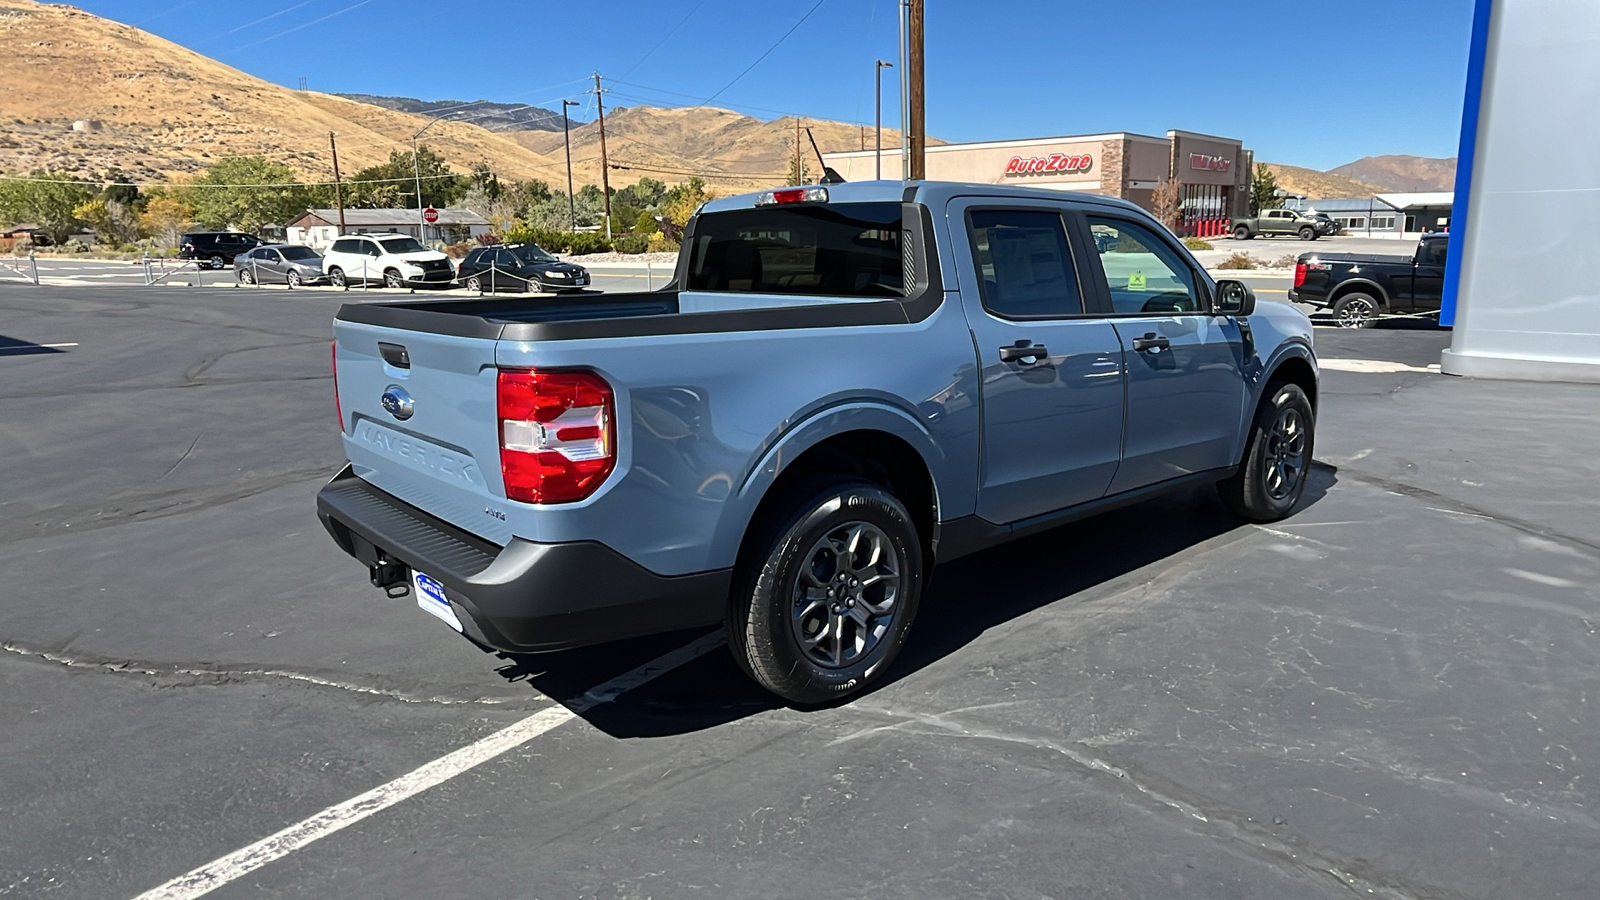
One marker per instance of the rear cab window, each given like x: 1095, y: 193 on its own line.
x: 834, y: 250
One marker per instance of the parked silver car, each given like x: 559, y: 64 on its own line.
x: 289, y: 264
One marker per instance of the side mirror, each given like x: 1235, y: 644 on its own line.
x: 1234, y: 298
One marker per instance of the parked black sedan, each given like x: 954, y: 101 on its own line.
x: 289, y: 264
x: 518, y: 267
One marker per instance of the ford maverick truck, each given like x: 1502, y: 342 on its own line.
x: 843, y: 386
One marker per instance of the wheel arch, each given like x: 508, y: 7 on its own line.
x: 1360, y: 286
x: 880, y: 444
x: 1293, y: 368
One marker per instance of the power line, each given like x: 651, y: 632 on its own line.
x: 670, y: 33
x: 764, y: 55
x: 301, y: 26
x: 256, y: 22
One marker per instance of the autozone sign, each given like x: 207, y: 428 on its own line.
x: 1055, y: 163
x: 1203, y: 163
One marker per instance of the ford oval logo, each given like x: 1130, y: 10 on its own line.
x: 396, y: 402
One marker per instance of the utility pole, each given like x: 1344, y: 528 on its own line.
x: 880, y: 67
x: 905, y: 74
x: 799, y: 161
x: 605, y: 163
x: 338, y: 189
x: 566, y: 132
x: 917, y: 141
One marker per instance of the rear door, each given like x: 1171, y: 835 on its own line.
x: 1186, y: 392
x: 433, y: 443
x: 1050, y: 368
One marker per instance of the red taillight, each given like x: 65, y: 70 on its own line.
x: 792, y: 195
x: 557, y: 434
x: 336, y: 405
x: 1299, y: 274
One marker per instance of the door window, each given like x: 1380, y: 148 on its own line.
x: 1024, y: 262
x: 1433, y: 253
x: 1143, y: 273
x: 503, y: 260
x: 371, y: 249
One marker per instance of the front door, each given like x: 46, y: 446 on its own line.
x: 1186, y: 392
x: 1051, y: 371
x: 1427, y: 279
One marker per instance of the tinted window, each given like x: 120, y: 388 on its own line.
x: 299, y: 253
x: 532, y: 253
x: 370, y: 249
x: 403, y: 245
x: 1143, y: 273
x: 347, y: 245
x: 1433, y: 253
x: 1025, y: 264
x: 473, y: 257
x: 844, y: 250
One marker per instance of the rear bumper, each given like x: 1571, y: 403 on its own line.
x: 525, y: 596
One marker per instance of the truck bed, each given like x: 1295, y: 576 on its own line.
x: 1366, y: 259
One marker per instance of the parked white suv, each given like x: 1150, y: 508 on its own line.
x: 394, y: 260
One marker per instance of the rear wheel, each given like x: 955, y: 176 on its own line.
x: 1277, y: 457
x: 246, y: 277
x: 1241, y: 233
x: 336, y: 277
x: 1356, y: 311
x: 824, y: 599
x: 1308, y: 233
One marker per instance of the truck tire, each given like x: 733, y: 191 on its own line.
x: 1241, y: 233
x: 1308, y: 233
x: 826, y: 592
x: 1277, y: 457
x: 1356, y: 310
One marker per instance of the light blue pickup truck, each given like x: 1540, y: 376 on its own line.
x: 843, y: 386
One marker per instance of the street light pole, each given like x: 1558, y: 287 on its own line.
x: 416, y: 166
x: 566, y: 131
x: 881, y: 66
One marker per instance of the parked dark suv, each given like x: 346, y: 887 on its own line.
x: 518, y: 267
x: 216, y: 248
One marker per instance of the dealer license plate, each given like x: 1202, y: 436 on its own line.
x: 430, y: 596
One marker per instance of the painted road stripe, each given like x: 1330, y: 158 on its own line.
x: 242, y: 862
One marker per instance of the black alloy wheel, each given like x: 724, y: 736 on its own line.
x: 1277, y: 457
x: 1356, y: 311
x: 826, y: 593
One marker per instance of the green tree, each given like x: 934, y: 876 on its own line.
x: 45, y: 199
x: 394, y: 183
x: 1263, y: 190
x: 646, y: 194
x: 118, y: 189
x: 247, y: 192
x: 486, y: 182
x: 799, y: 173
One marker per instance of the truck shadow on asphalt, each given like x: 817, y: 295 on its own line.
x: 966, y: 598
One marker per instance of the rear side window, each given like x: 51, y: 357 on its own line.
x: 839, y: 250
x: 347, y: 245
x: 1025, y: 263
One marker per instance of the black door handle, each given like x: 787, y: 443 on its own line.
x: 1151, y: 341
x: 1022, y: 352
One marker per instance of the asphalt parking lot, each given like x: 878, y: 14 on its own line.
x: 1385, y: 695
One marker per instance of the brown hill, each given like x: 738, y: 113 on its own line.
x: 729, y: 150
x: 162, y: 111
x: 1322, y: 185
x: 1402, y: 173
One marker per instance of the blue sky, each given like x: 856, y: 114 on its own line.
x: 1306, y: 83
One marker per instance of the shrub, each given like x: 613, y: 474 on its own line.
x: 660, y: 243
x: 633, y: 243
x: 1239, y: 261
x: 1286, y: 261
x: 460, y: 250
x: 585, y: 242
x: 75, y: 246
x: 1194, y: 243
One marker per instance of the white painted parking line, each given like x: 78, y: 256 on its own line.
x: 242, y: 862
x: 1373, y: 366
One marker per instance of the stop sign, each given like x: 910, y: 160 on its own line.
x: 430, y: 215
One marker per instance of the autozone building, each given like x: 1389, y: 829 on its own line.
x: 1213, y: 173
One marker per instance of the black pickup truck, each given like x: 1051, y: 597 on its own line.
x: 1360, y: 287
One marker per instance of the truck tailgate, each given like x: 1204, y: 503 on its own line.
x: 419, y: 420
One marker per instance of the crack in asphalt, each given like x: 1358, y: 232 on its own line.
x: 1292, y: 851
x: 192, y: 674
x: 145, y: 507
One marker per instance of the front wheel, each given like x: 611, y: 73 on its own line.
x: 823, y: 601
x: 293, y: 279
x: 217, y: 261
x: 474, y: 284
x: 1356, y: 311
x: 392, y: 279
x: 1308, y: 234
x: 1277, y: 457
x: 1241, y: 233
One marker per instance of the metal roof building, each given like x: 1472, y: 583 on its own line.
x: 1386, y: 215
x: 318, y: 227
